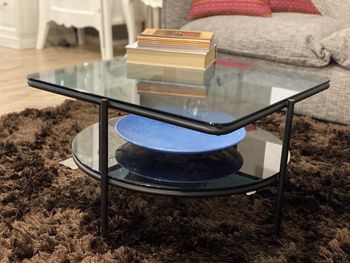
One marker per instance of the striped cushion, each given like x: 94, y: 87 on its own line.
x: 203, y: 8
x: 295, y: 6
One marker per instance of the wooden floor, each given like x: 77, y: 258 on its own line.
x: 15, y: 65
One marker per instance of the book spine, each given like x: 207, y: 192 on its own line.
x: 175, y: 48
x: 171, y: 59
x: 173, y: 33
x: 173, y: 42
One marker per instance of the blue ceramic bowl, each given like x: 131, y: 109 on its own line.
x: 164, y: 137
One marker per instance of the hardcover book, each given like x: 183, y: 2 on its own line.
x: 176, y: 39
x: 181, y: 34
x: 170, y: 58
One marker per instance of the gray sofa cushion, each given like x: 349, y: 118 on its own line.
x: 286, y: 37
x: 338, y: 44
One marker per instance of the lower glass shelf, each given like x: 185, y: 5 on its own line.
x: 259, y: 156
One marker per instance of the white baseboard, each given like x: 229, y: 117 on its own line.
x: 18, y: 42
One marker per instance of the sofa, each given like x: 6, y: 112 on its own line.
x: 275, y: 47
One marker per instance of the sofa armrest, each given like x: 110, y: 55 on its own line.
x: 174, y: 13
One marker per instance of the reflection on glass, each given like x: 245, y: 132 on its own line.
x: 228, y: 88
x: 174, y: 168
x: 278, y: 93
x: 260, y: 152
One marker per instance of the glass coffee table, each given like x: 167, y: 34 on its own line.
x: 229, y: 96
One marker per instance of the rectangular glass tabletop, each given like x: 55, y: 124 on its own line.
x: 225, y: 97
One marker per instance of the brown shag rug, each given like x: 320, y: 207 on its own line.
x: 50, y: 213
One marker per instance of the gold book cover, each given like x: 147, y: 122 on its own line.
x: 182, y: 34
x: 142, y: 40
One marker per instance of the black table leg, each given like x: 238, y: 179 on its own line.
x: 103, y: 164
x: 283, y: 164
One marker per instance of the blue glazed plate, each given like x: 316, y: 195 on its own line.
x: 161, y: 136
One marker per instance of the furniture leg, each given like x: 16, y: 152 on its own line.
x: 103, y: 164
x: 43, y: 32
x: 106, y: 38
x: 148, y: 21
x: 43, y: 25
x: 81, y: 36
x: 102, y: 47
x: 129, y: 13
x: 156, y: 17
x: 283, y: 165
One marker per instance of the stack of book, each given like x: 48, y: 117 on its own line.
x: 173, y: 48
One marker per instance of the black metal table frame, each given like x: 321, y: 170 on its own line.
x: 105, y: 103
x: 103, y: 164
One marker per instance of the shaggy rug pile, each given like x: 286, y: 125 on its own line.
x: 50, y: 213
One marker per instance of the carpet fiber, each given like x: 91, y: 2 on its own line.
x: 50, y: 213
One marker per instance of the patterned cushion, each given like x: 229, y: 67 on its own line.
x: 174, y: 12
x: 203, y: 8
x: 295, y: 6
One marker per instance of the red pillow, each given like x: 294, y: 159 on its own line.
x: 202, y: 8
x: 296, y: 6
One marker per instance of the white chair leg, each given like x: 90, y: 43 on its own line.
x: 43, y: 24
x: 156, y: 17
x: 43, y: 31
x: 106, y: 43
x: 106, y: 38
x: 81, y: 36
x: 102, y: 47
x: 129, y: 13
x: 148, y: 21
